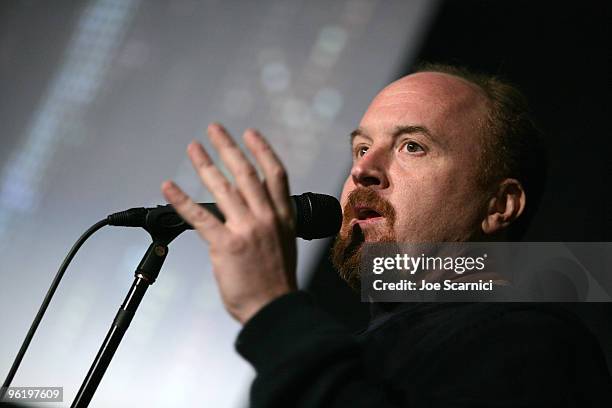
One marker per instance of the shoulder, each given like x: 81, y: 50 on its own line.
x: 549, y: 328
x: 524, y: 321
x: 519, y: 338
x: 538, y: 352
x: 518, y: 352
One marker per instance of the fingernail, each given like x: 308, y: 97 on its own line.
x: 192, y: 145
x: 168, y: 185
x: 250, y: 133
x: 215, y: 126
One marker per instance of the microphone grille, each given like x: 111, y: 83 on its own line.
x: 318, y: 215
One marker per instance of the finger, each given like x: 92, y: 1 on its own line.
x: 245, y: 174
x: 208, y: 226
x: 274, y: 172
x: 227, y: 197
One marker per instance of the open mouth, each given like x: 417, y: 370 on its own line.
x: 366, y: 214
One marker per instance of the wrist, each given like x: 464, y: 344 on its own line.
x: 253, y: 307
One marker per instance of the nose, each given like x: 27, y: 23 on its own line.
x: 370, y: 170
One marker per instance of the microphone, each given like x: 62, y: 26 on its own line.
x: 316, y: 215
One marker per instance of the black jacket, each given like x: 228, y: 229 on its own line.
x: 424, y: 355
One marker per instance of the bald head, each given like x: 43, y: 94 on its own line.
x: 453, y: 110
x: 433, y: 83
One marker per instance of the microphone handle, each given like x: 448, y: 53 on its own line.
x: 165, y: 215
x: 316, y: 216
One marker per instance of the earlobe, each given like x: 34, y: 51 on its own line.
x: 491, y: 218
x: 505, y: 207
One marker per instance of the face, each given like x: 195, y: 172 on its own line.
x: 415, y: 173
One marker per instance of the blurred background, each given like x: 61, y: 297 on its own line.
x: 100, y: 98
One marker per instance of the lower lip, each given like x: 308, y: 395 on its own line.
x: 366, y: 221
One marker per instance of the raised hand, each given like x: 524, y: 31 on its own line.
x: 254, y: 252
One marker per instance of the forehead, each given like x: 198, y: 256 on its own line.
x: 447, y: 105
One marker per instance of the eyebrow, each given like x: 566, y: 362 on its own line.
x: 399, y: 131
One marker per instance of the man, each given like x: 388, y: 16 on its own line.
x: 433, y: 161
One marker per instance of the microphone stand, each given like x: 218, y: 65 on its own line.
x: 163, y: 230
x: 164, y: 224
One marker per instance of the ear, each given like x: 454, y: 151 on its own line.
x: 505, y: 207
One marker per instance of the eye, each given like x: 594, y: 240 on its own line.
x: 413, y: 147
x: 360, y: 151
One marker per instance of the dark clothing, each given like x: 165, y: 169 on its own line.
x: 424, y: 355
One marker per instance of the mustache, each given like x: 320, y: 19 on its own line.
x: 363, y: 196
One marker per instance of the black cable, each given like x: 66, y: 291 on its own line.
x: 46, y: 301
